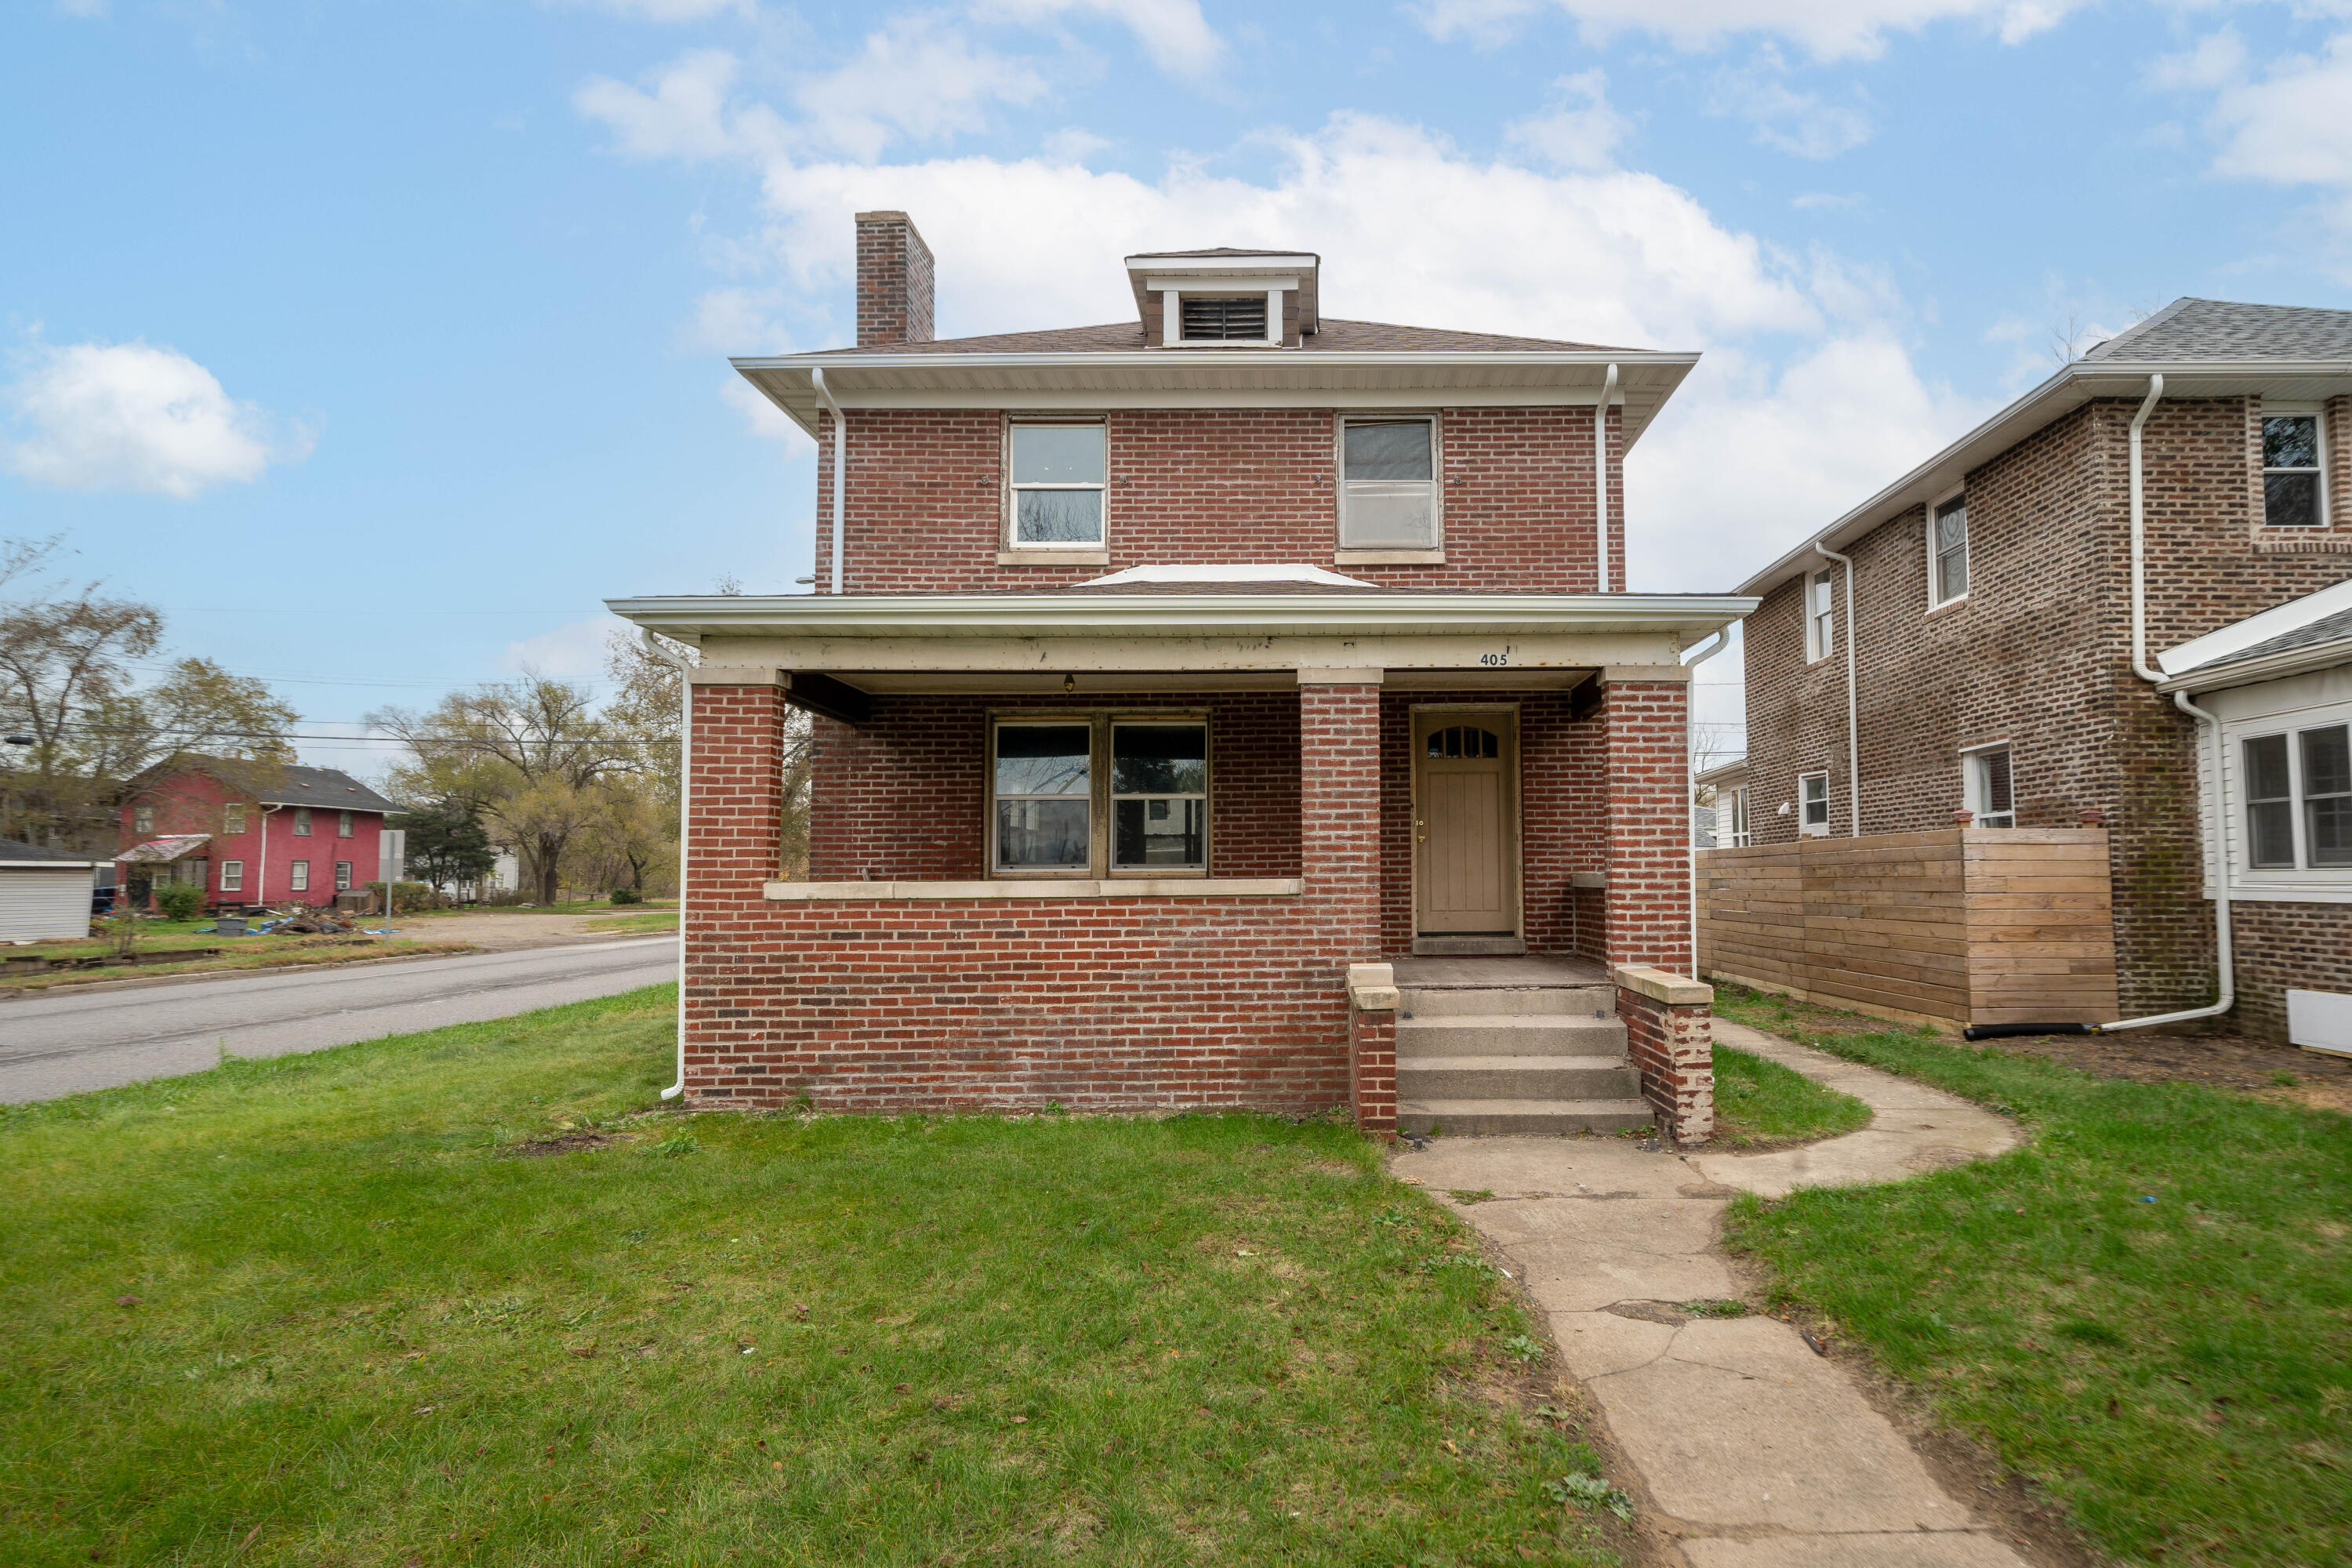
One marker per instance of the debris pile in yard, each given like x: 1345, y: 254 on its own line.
x: 309, y: 922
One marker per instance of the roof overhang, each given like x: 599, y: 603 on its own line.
x: 1221, y: 378
x: 701, y: 617
x: 161, y: 851
x: 2218, y: 660
x: 2069, y: 389
x: 2254, y: 671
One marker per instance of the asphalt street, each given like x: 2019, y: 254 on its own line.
x: 65, y: 1042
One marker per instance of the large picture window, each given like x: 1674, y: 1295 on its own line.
x: 1388, y: 489
x: 1100, y: 795
x: 1058, y: 476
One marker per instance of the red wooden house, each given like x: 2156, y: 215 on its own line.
x: 249, y: 833
x: 1233, y: 706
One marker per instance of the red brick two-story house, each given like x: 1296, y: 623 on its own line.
x: 248, y: 833
x: 1180, y: 684
x: 2081, y: 611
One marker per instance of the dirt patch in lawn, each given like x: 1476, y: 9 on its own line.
x: 561, y: 1143
x: 2285, y: 1073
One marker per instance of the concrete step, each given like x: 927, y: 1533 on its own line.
x: 1521, y: 1118
x: 1454, y: 1001
x: 1517, y: 1078
x: 1510, y: 1035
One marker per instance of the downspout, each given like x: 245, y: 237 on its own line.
x: 840, y: 475
x: 2226, y: 979
x: 684, y: 667
x: 1721, y: 639
x: 261, y: 871
x: 1853, y: 726
x: 1600, y: 480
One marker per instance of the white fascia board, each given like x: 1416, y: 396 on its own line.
x: 1256, y: 280
x: 2060, y: 395
x: 1175, y: 614
x: 2254, y: 671
x: 1218, y: 266
x: 2240, y: 635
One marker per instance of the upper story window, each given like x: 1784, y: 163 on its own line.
x: 2294, y: 494
x: 1057, y: 482
x: 143, y: 819
x: 1947, y: 550
x: 1813, y: 803
x: 232, y: 817
x: 301, y: 822
x: 1388, y: 489
x: 342, y: 825
x: 1986, y: 788
x: 1820, y: 617
x: 1221, y: 318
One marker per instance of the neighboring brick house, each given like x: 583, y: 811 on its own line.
x: 249, y: 833
x: 1163, y: 671
x: 1991, y: 632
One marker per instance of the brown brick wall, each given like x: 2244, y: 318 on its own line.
x: 924, y: 508
x: 1672, y: 1047
x: 2307, y: 947
x: 2039, y: 654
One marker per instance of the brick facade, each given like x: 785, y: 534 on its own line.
x: 2038, y: 655
x: 926, y: 501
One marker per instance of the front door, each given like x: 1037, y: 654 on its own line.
x: 1465, y: 821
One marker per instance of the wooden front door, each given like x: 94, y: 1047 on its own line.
x: 1465, y: 823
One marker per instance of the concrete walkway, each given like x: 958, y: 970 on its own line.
x: 1759, y: 1453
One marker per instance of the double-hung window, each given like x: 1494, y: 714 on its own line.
x: 1057, y: 478
x: 1820, y: 617
x: 233, y: 818
x: 143, y: 819
x: 342, y: 825
x: 299, y: 879
x: 1388, y: 484
x: 1735, y: 803
x: 1989, y: 790
x: 342, y: 876
x: 1092, y: 794
x: 1947, y: 550
x: 1813, y: 803
x: 2295, y: 493
x: 232, y: 877
x: 301, y: 822
x: 2311, y: 770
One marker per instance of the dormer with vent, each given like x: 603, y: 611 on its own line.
x: 1224, y: 299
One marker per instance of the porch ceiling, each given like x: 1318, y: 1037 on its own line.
x: 1094, y: 683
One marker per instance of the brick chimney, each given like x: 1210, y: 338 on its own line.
x: 894, y: 282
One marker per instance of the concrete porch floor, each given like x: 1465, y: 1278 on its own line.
x: 1533, y: 971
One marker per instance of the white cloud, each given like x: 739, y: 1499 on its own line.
x: 88, y: 9
x: 1172, y: 32
x: 2294, y: 126
x: 685, y: 115
x: 2218, y: 57
x: 764, y: 418
x: 1578, y: 130
x: 573, y: 652
x: 1827, y: 201
x: 916, y: 77
x: 1828, y: 29
x: 1793, y: 122
x: 132, y: 417
x: 667, y: 10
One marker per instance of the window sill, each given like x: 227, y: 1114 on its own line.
x: 1954, y: 603
x: 2301, y: 541
x: 1038, y: 888
x: 1388, y: 558
x: 1053, y: 558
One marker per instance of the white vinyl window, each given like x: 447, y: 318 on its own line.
x: 301, y: 822
x: 232, y: 876
x: 1388, y: 484
x: 1947, y: 550
x: 300, y: 879
x: 2294, y: 489
x: 1988, y: 788
x: 1058, y: 473
x: 342, y: 825
x: 1813, y: 803
x: 143, y: 819
x: 1734, y: 818
x: 2299, y: 799
x: 233, y: 818
x: 1820, y: 617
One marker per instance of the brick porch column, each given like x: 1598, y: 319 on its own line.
x: 1649, y: 821
x: 734, y: 845
x: 1339, y: 810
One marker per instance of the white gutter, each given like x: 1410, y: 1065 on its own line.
x: 685, y: 798
x: 1853, y: 723
x: 840, y: 470
x: 1721, y: 640
x: 1601, y: 479
x: 2226, y: 980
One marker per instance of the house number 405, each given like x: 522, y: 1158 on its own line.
x: 1494, y: 658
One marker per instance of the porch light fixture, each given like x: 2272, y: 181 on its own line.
x: 1069, y: 686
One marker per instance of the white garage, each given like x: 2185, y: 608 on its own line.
x: 43, y: 892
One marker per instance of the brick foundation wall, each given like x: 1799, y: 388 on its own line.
x: 2307, y: 947
x: 2039, y: 655
x: 1371, y: 1053
x: 925, y: 504
x: 1671, y: 1046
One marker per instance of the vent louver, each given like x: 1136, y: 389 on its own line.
x: 1218, y: 318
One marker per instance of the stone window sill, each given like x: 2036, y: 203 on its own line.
x: 1039, y: 888
x: 1053, y: 558
x: 1388, y: 558
x: 2317, y: 541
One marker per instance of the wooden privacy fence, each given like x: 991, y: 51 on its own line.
x: 1978, y: 925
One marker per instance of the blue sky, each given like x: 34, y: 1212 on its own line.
x: 379, y: 342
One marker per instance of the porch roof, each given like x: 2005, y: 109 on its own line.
x: 1094, y: 613
x: 173, y: 846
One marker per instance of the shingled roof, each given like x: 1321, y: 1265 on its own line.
x: 1335, y: 336
x: 2190, y: 329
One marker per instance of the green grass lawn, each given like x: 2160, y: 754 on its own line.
x: 2147, y: 1309
x: 160, y: 938
x: 651, y: 921
x: 1760, y: 1104
x: 321, y: 1309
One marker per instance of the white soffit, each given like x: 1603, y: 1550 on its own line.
x: 1226, y: 572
